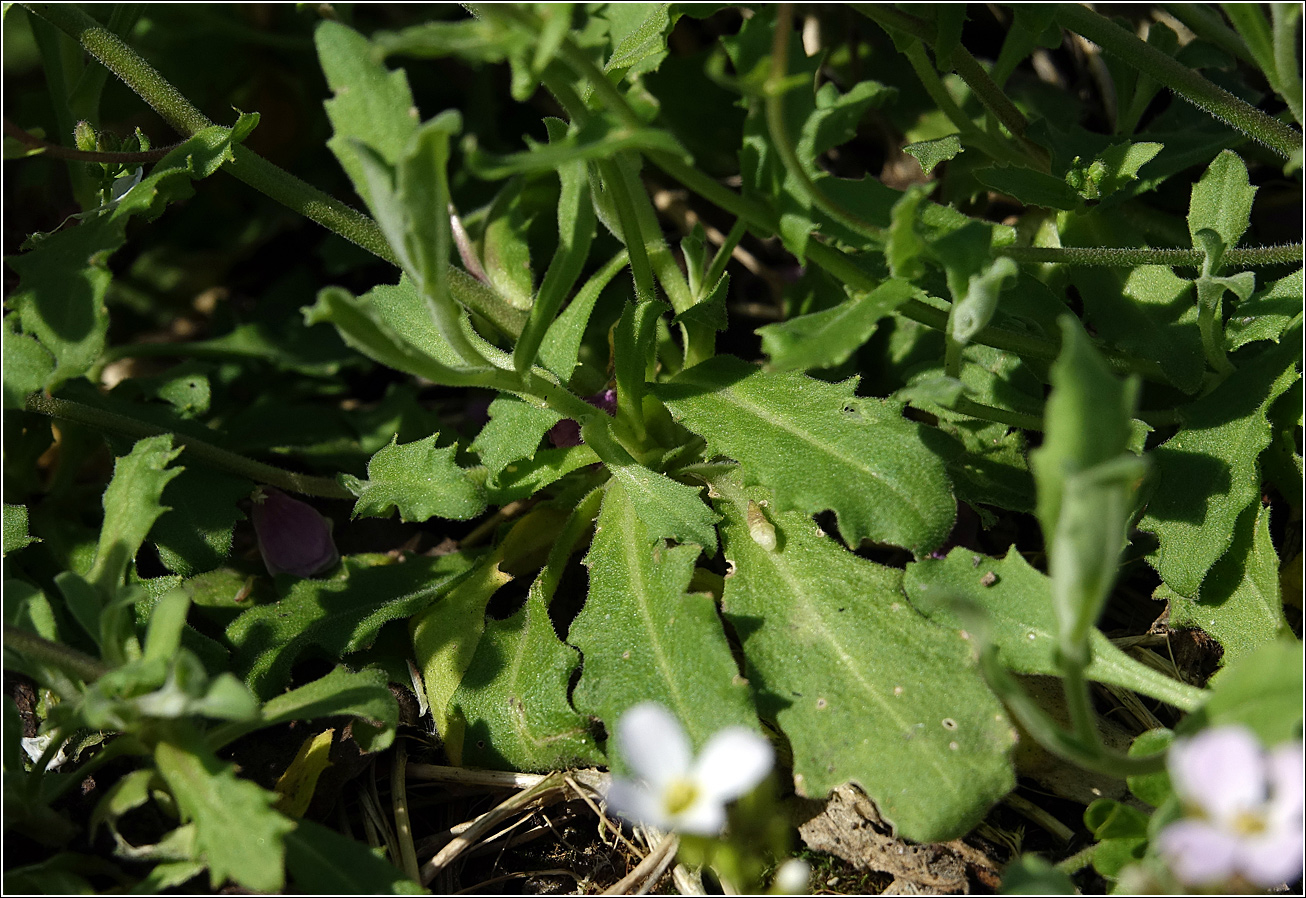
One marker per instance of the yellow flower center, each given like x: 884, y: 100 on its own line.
x: 679, y: 796
x: 1247, y: 823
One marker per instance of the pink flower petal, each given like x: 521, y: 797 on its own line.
x: 1220, y: 770
x: 1272, y: 858
x: 1198, y: 853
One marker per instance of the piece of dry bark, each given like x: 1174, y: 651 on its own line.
x: 850, y: 827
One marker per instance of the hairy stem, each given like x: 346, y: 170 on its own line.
x: 184, y: 118
x: 1129, y: 257
x: 198, y: 448
x: 1179, y: 78
x: 55, y: 151
x: 42, y: 650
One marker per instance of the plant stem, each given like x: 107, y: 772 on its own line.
x: 1129, y: 257
x: 1179, y: 78
x: 774, y: 90
x: 184, y: 118
x: 42, y: 650
x: 55, y: 151
x: 198, y: 448
x: 970, y: 71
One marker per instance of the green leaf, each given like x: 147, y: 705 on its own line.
x: 370, y: 104
x: 1153, y: 788
x: 418, y: 479
x: 131, y: 506
x: 863, y: 687
x: 514, y: 696
x: 1019, y: 618
x: 362, y: 695
x: 930, y: 153
x: 1121, y: 832
x: 15, y: 528
x: 513, y: 432
x: 816, y: 447
x: 826, y: 339
x: 1031, y: 187
x: 505, y: 252
x: 576, y: 224
x: 27, y: 365
x: 645, y: 638
x: 670, y: 509
x: 320, y: 860
x: 1030, y: 874
x: 1207, y: 473
x: 1267, y: 314
x: 1222, y: 200
x: 365, y: 324
x: 1086, y: 477
x: 1147, y: 311
x: 445, y: 638
x: 336, y: 616
x: 194, y: 535
x: 1240, y: 606
x: 524, y: 478
x: 64, y: 275
x: 639, y: 35
x: 560, y: 348
x: 237, y: 833
x: 972, y: 312
x: 1261, y: 691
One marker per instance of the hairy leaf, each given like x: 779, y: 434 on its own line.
x: 1019, y: 616
x: 799, y: 437
x: 514, y: 696
x: 864, y: 688
x: 418, y: 479
x: 1207, y: 473
x: 1240, y: 604
x: 929, y: 153
x: 15, y: 529
x: 645, y: 638
x: 131, y: 506
x: 826, y: 339
x: 335, y: 616
x: 1222, y: 200
x: 237, y: 833
x: 64, y: 275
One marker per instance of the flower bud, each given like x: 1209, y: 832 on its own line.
x: 567, y: 432
x: 293, y: 537
x: 84, y: 137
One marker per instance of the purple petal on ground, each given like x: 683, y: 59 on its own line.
x: 293, y: 537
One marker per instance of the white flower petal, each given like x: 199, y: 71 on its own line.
x: 637, y: 803
x: 1272, y: 858
x: 1198, y: 853
x: 653, y: 744
x: 733, y: 762
x: 793, y: 877
x: 705, y: 817
x: 1221, y: 770
x: 1287, y: 785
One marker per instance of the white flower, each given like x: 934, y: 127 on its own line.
x: 792, y: 878
x: 674, y: 791
x: 1245, y: 810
